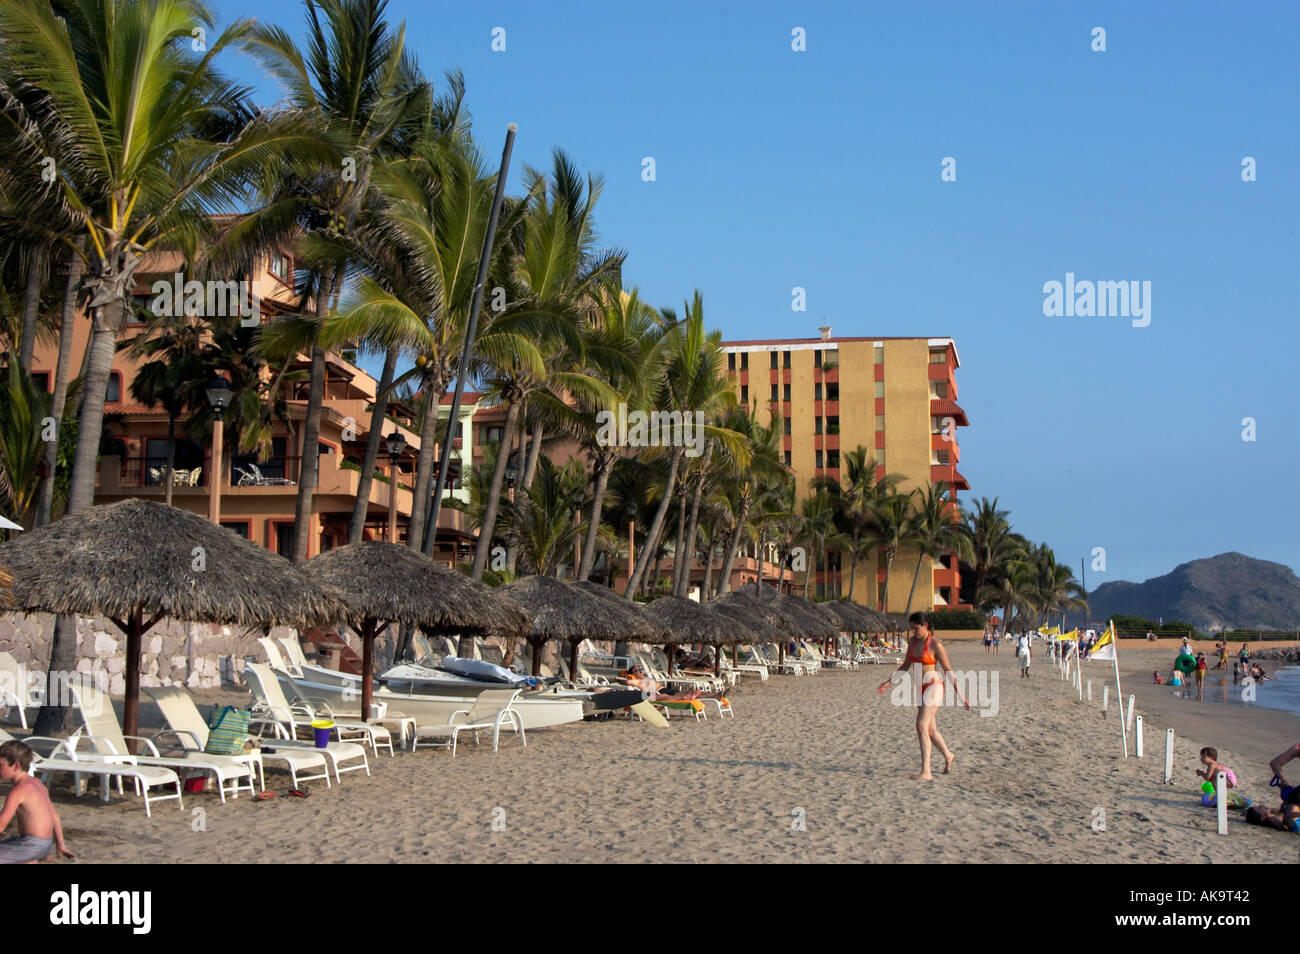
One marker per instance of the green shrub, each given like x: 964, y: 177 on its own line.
x: 956, y: 619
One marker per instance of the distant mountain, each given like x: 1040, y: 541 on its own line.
x: 1228, y: 591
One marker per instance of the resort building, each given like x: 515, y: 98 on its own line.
x: 257, y: 494
x: 897, y: 397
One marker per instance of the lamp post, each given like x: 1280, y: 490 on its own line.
x: 396, y: 444
x: 630, y: 509
x: 220, y: 395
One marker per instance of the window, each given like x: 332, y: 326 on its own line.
x: 114, y: 394
x: 323, y: 449
x: 819, y: 460
x: 787, y: 392
x: 774, y: 391
x: 880, y: 457
x: 141, y: 309
x: 238, y: 526
x: 326, y: 542
x: 785, y: 359
x: 731, y: 361
x: 787, y: 458
x: 939, y: 458
x: 817, y: 391
x: 773, y: 360
x: 744, y: 361
x: 939, y: 357
x: 493, y: 434
x: 832, y: 425
x: 831, y: 360
x: 880, y: 422
x: 833, y: 459
x: 880, y: 389
x: 282, y: 267
x: 284, y: 539
x: 187, y: 455
x: 744, y: 394
x: 817, y: 425
x: 787, y: 427
x: 832, y: 392
x: 939, y: 390
x: 273, y: 467
x: 41, y: 380
x: 878, y: 352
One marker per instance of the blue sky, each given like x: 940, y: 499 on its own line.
x: 821, y: 169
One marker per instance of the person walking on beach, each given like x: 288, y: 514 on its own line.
x: 924, y: 653
x: 1245, y: 656
x: 996, y: 642
x: 1200, y: 677
x: 988, y: 642
x: 1022, y: 651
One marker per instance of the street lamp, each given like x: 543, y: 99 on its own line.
x: 220, y: 394
x: 396, y: 445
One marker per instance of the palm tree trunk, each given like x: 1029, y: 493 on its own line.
x: 889, y: 565
x: 494, y: 494
x: 309, y: 463
x: 604, y: 465
x: 706, y: 591
x: 433, y: 386
x: 680, y: 559
x: 692, y: 530
x: 656, y: 525
x: 724, y: 575
x: 31, y: 307
x: 171, y: 458
x: 76, y: 265
x: 377, y: 418
x: 853, y: 565
x: 920, y: 556
x: 530, y: 469
x: 762, y: 546
x: 81, y: 496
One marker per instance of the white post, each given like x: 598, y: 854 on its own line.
x: 1078, y: 683
x: 1221, y: 801
x: 1105, y: 698
x: 1090, y: 690
x: 1169, y: 757
x: 1137, y: 739
x: 1129, y: 721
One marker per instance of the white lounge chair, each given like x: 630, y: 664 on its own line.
x: 272, y: 710
x: 743, y: 669
x: 104, y: 733
x: 493, y: 709
x: 186, y: 725
x: 62, y: 758
x: 348, y: 726
x: 15, y: 691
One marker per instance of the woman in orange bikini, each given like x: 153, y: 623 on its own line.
x: 924, y: 650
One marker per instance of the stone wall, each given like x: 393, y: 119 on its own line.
x: 194, y: 655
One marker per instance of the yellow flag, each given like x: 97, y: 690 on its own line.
x: 1104, y: 648
x: 1052, y: 631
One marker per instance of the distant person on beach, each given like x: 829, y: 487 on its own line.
x: 1200, y: 676
x: 1210, y: 759
x: 1151, y: 637
x: 1155, y: 677
x: 1187, y: 645
x: 1236, y: 673
x: 1244, y: 655
x: 988, y: 642
x: 1223, y: 656
x: 1257, y: 673
x: 996, y: 642
x: 39, y: 828
x: 1023, y: 653
x: 926, y: 652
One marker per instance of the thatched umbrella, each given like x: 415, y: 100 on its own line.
x: 381, y: 583
x: 561, y: 610
x: 635, y: 624
x: 746, y: 622
x: 138, y: 561
x: 688, y: 622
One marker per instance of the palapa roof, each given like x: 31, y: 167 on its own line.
x: 561, y: 610
x: 639, y: 626
x: 689, y: 621
x: 816, y: 621
x: 392, y: 583
x: 745, y: 624
x: 138, y: 555
x: 780, y: 624
x: 859, y: 618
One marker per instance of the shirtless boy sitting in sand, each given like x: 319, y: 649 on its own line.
x: 38, y: 822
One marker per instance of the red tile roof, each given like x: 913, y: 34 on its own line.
x: 949, y: 409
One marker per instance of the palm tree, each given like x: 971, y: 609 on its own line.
x: 359, y: 84
x: 936, y: 527
x: 818, y: 511
x: 554, y: 268
x: 746, y: 484
x: 545, y: 530
x: 859, y: 498
x: 156, y: 140
x: 892, y: 531
x: 22, y: 409
x: 991, y: 543
x: 1015, y: 590
x: 693, y: 383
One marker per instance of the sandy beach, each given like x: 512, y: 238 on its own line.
x: 1030, y: 784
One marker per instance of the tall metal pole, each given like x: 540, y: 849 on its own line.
x: 1083, y: 581
x: 431, y: 520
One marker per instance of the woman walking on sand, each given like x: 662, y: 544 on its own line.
x: 925, y: 651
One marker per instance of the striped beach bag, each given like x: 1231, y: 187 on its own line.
x: 227, y: 731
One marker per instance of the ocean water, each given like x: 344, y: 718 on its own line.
x: 1280, y: 691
